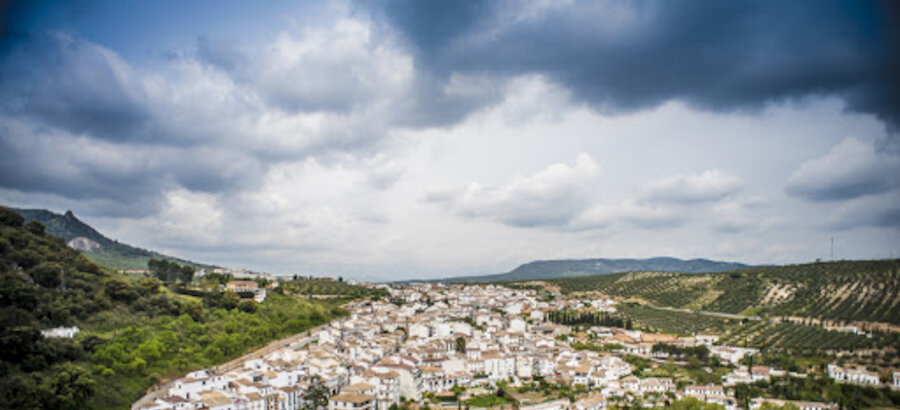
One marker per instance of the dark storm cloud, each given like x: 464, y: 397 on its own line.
x: 65, y: 82
x: 628, y: 56
x: 45, y: 165
x: 120, y: 179
x: 882, y: 211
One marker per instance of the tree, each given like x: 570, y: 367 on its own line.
x: 118, y: 289
x: 743, y: 393
x: 167, y: 271
x: 461, y: 344
x: 47, y: 274
x: 316, y: 397
x: 248, y: 306
x: 35, y: 227
x: 71, y: 386
x: 230, y: 300
x: 186, y: 274
x: 19, y: 334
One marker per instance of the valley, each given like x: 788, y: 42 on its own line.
x: 82, y: 335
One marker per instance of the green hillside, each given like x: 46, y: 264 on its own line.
x: 109, y: 253
x: 845, y: 290
x: 133, y: 331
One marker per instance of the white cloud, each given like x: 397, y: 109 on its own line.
x: 551, y: 197
x: 851, y: 169
x: 628, y: 214
x: 711, y: 185
x: 338, y: 69
x: 732, y: 217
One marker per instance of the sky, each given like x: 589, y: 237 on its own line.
x: 388, y: 140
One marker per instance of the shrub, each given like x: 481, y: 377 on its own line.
x: 47, y: 274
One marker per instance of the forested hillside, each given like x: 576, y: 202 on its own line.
x: 134, y: 331
x: 845, y: 290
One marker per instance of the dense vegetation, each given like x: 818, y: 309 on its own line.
x: 134, y: 331
x: 845, y: 290
x: 111, y: 253
x: 310, y: 286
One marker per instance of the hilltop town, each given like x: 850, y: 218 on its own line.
x: 432, y: 345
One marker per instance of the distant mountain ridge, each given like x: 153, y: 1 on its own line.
x: 96, y: 246
x: 554, y: 269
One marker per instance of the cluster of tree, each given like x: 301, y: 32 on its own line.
x: 696, y: 356
x: 219, y: 278
x: 569, y: 317
x: 229, y: 300
x: 308, y: 285
x: 170, y: 272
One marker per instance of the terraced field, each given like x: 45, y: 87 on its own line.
x: 680, y: 323
x: 845, y: 290
x: 765, y: 334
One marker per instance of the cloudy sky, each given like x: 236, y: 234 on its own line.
x: 408, y: 139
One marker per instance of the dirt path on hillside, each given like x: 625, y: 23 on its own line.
x: 706, y: 312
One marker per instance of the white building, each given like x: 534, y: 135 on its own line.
x: 855, y: 376
x: 62, y: 331
x: 352, y: 401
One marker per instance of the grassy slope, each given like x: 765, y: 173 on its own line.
x: 846, y: 290
x: 142, y: 350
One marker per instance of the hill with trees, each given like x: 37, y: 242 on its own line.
x: 134, y: 331
x: 843, y: 290
x: 97, y: 247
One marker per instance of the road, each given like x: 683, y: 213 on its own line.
x: 708, y: 313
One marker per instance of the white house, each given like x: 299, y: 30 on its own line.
x: 855, y: 376
x: 352, y: 401
x: 62, y: 331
